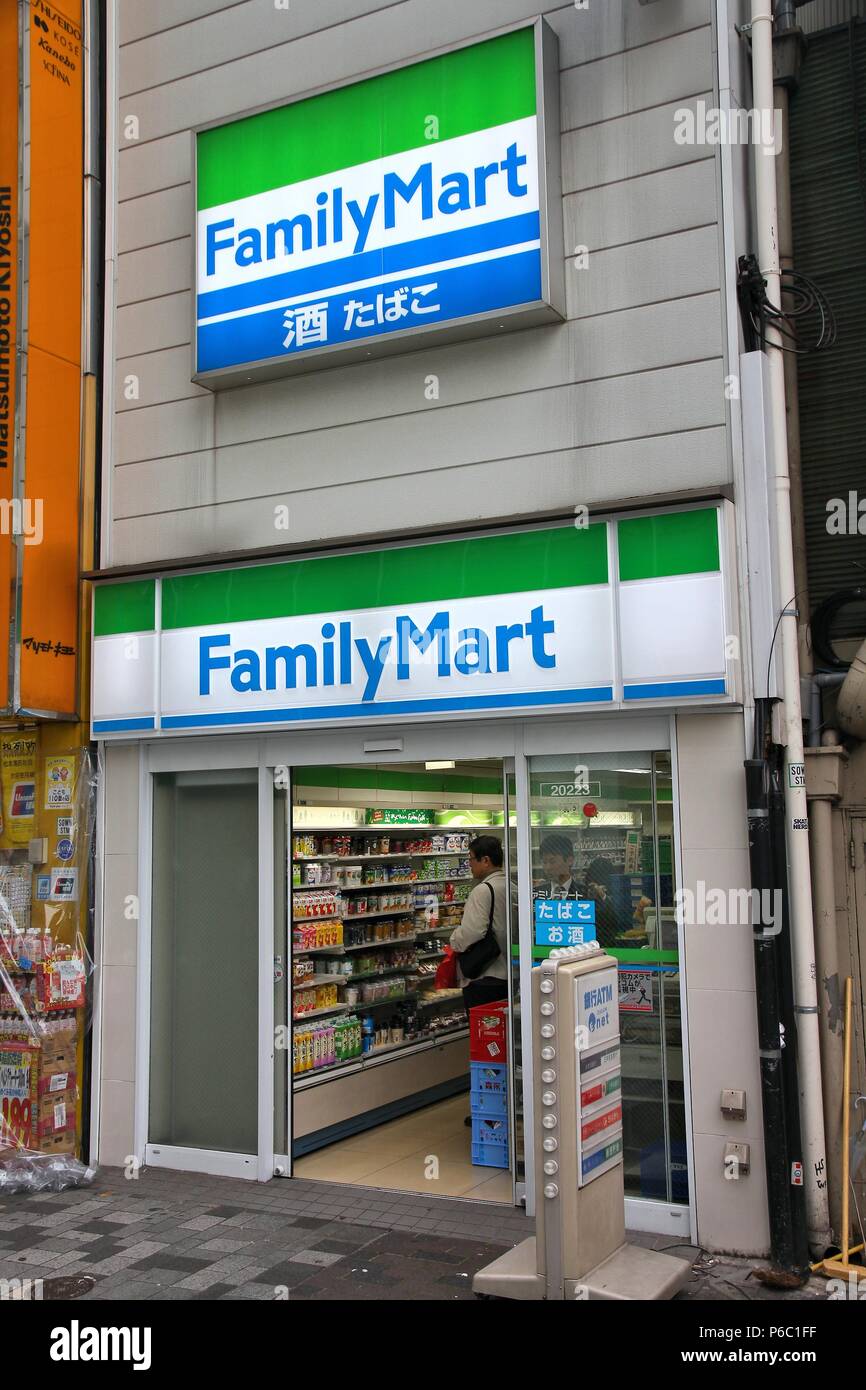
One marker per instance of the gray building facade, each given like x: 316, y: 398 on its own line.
x: 631, y: 406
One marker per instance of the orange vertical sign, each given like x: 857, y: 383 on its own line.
x: 9, y: 85
x: 48, y: 637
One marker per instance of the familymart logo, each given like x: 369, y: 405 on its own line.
x: 342, y: 657
x: 77, y: 1343
x: 336, y: 219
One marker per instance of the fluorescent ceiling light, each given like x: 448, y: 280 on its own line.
x: 438, y: 766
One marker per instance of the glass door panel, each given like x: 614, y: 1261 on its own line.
x: 601, y: 834
x: 205, y: 952
x: 282, y: 978
x: 517, y: 1096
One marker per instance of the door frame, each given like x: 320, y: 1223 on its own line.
x: 512, y: 741
x: 467, y: 741
x: 205, y: 756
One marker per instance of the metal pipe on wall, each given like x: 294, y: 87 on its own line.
x: 799, y: 872
x: 787, y: 1016
x: 821, y: 828
x: 792, y: 386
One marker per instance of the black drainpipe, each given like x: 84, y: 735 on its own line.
x: 774, y: 997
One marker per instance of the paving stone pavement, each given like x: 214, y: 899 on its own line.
x: 175, y: 1236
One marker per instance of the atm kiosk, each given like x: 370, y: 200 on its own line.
x: 579, y: 1250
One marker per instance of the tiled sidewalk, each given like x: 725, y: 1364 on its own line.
x: 168, y: 1235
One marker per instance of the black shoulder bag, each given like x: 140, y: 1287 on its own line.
x: 476, y: 958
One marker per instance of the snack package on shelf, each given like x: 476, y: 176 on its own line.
x: 323, y: 903
x: 45, y: 966
x: 317, y: 936
x: 325, y: 1043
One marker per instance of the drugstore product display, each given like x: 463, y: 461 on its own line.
x: 44, y: 969
x: 371, y: 909
x: 42, y: 996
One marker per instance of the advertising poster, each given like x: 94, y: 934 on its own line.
x: 19, y: 1065
x: 18, y: 772
x: 59, y: 783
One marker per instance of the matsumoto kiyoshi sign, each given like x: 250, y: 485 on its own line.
x: 522, y: 621
x: 409, y: 202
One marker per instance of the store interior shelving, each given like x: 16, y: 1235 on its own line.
x: 420, y: 1014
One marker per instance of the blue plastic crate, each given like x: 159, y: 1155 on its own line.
x: 490, y: 1129
x: 491, y: 1104
x: 488, y: 1079
x: 490, y: 1155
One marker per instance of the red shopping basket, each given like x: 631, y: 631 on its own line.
x: 487, y: 1033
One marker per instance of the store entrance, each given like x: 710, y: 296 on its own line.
x: 299, y: 904
x: 378, y: 874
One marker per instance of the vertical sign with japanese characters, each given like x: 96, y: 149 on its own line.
x: 48, y: 557
x: 389, y: 207
x: 9, y: 82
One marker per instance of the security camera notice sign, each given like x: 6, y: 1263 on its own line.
x: 635, y: 991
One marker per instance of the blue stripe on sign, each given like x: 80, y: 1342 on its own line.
x: 663, y: 689
x: 598, y: 694
x: 390, y: 260
x: 462, y: 292
x: 113, y: 726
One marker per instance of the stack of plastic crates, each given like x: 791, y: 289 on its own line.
x: 488, y: 1097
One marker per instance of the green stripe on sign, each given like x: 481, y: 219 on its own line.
x: 124, y: 607
x: 471, y: 89
x: 561, y: 558
x: 652, y: 547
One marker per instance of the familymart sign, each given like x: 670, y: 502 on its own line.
x: 619, y: 613
x: 407, y: 204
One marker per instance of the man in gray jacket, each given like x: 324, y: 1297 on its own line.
x: 485, y: 862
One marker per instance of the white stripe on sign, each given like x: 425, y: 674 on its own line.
x: 551, y: 640
x: 124, y: 675
x: 672, y: 627
x: 483, y: 177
